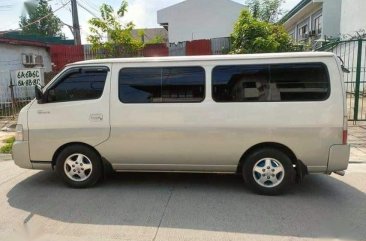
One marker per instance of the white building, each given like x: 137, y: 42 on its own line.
x: 324, y: 19
x: 199, y: 19
x: 17, y: 55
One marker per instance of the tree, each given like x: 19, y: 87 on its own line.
x: 110, y: 36
x: 266, y: 10
x: 254, y: 36
x: 48, y: 26
x: 158, y: 39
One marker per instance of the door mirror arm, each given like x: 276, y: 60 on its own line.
x: 40, y: 96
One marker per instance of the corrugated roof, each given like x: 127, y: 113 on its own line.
x: 23, y: 42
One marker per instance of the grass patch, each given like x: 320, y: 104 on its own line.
x: 6, y: 149
x: 9, y: 140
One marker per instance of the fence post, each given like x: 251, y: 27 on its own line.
x: 358, y: 80
x: 13, y: 106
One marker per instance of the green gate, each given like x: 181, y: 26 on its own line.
x: 353, y: 53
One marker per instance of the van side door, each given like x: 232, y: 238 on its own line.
x: 75, y: 109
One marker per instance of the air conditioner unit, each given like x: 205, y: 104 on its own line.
x: 38, y: 59
x: 28, y: 59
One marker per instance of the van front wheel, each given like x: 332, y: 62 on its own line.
x: 79, y: 166
x: 268, y: 171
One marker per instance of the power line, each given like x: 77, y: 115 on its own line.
x: 20, y: 28
x: 92, y: 5
x: 86, y: 9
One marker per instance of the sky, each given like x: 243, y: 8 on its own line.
x: 141, y: 12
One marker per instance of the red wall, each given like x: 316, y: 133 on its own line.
x: 198, y: 47
x: 62, y: 55
x: 152, y: 50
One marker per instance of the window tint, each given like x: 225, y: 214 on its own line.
x: 157, y: 85
x: 81, y: 84
x: 183, y: 84
x: 299, y: 82
x: 282, y: 82
x: 240, y: 83
x: 140, y: 85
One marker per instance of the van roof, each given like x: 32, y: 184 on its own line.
x: 207, y: 58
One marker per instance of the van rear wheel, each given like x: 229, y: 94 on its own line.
x: 268, y: 171
x: 79, y: 166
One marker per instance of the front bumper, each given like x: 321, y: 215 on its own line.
x: 20, y: 154
x: 338, y: 158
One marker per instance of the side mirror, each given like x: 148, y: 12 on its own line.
x: 39, y: 94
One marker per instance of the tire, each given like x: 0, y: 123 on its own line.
x: 268, y: 171
x: 79, y: 166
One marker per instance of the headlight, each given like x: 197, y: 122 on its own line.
x: 19, y: 132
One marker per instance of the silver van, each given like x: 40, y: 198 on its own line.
x: 270, y: 117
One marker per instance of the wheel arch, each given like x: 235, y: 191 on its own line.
x: 262, y: 145
x: 61, y: 148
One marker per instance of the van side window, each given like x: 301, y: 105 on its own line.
x: 81, y: 84
x: 162, y: 85
x: 140, y: 85
x: 299, y: 82
x: 183, y: 84
x: 277, y: 82
x: 241, y: 83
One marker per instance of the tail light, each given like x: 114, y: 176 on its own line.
x: 345, y: 135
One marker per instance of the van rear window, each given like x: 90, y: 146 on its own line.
x: 277, y: 82
x: 162, y: 85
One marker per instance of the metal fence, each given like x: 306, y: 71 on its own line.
x: 12, y: 97
x: 178, y: 49
x: 353, y: 53
x: 220, y: 46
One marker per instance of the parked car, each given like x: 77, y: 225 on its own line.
x: 268, y: 117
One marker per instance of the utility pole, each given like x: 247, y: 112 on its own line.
x: 75, y: 22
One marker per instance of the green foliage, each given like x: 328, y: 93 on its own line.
x: 119, y: 42
x: 6, y: 149
x: 254, y: 36
x: 49, y: 26
x: 266, y: 10
x: 9, y: 140
x: 9, y: 145
x: 158, y: 39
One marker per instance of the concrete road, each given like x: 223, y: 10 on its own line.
x: 35, y: 205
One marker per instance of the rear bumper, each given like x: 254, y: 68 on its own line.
x: 20, y: 154
x: 338, y: 158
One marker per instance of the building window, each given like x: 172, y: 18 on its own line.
x: 318, y: 24
x: 162, y: 85
x: 303, y: 31
x: 293, y: 36
x: 265, y: 83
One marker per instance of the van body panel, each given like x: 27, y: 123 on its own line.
x: 52, y: 125
x: 210, y: 134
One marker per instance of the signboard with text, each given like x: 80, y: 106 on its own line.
x: 28, y: 77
